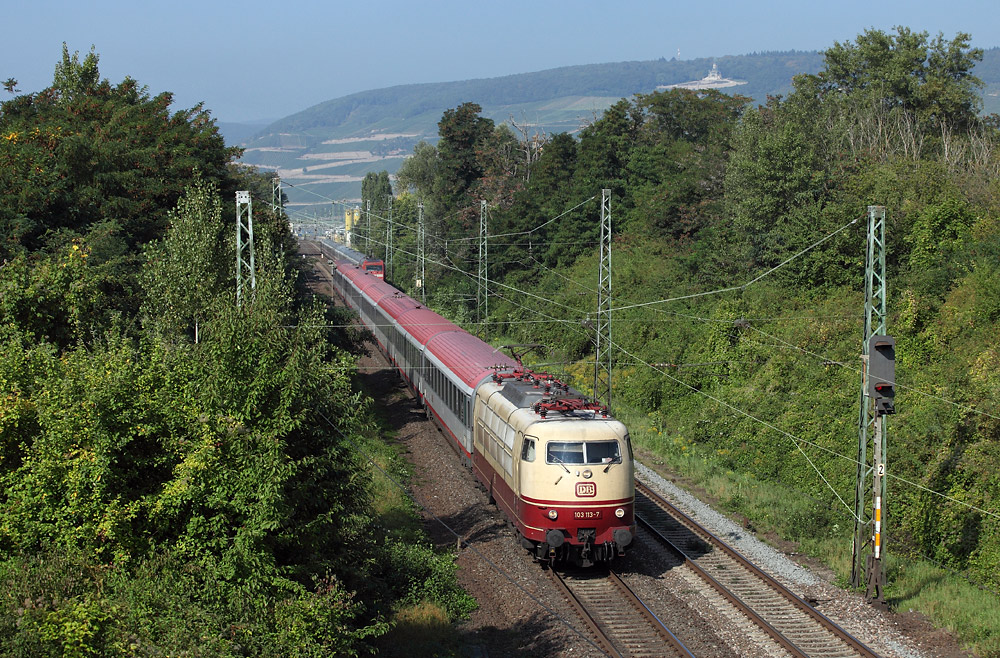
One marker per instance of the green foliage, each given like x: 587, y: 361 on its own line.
x: 419, y: 171
x: 463, y: 133
x: 74, y: 78
x: 169, y: 481
x: 418, y: 573
x: 54, y: 297
x: 62, y: 605
x: 376, y: 191
x: 84, y: 152
x: 188, y: 269
x: 932, y: 78
x: 319, y: 624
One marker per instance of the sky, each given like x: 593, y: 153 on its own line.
x: 255, y: 61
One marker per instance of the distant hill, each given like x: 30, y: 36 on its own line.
x: 325, y: 150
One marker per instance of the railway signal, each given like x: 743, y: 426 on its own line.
x: 882, y: 373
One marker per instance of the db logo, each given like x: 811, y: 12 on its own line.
x: 586, y: 489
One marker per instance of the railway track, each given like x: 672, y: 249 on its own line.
x: 619, y: 621
x: 791, y: 622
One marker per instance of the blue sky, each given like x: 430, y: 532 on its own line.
x: 257, y: 60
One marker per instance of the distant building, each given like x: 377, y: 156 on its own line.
x: 713, y: 80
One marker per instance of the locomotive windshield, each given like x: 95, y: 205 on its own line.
x: 583, y: 452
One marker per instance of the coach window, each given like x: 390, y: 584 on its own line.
x: 528, y: 450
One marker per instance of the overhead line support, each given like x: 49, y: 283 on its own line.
x: 482, y: 292
x: 871, y: 477
x: 421, y: 256
x: 388, y: 240
x: 246, y: 279
x: 368, y: 227
x: 602, y: 343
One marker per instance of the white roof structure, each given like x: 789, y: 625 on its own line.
x: 713, y: 80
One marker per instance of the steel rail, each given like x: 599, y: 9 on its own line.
x: 733, y: 600
x: 615, y: 595
x: 692, y: 525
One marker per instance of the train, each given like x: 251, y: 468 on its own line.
x: 557, y: 464
x: 334, y: 250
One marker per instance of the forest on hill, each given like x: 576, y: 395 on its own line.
x: 179, y: 474
x: 325, y: 150
x: 738, y: 265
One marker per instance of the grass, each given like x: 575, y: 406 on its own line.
x: 420, y: 630
x: 390, y: 504
x: 423, y: 628
x: 969, y: 612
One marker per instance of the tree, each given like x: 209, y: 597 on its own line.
x: 74, y: 78
x: 931, y: 78
x: 375, y: 192
x: 604, y: 150
x: 187, y: 270
x: 84, y: 153
x: 463, y: 133
x: 550, y: 193
x: 677, y: 166
x: 692, y: 116
x: 504, y: 171
x: 419, y: 170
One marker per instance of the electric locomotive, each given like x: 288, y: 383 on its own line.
x: 556, y: 464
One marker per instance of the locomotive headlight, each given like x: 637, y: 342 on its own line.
x: 620, y: 512
x: 553, y: 514
x: 587, y: 473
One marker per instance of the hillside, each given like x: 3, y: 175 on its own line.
x: 328, y: 148
x: 331, y: 146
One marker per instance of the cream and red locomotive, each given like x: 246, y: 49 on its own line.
x: 556, y: 464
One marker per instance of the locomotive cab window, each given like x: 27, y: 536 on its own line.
x: 603, y: 452
x: 528, y: 450
x: 564, y: 453
x: 579, y: 452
